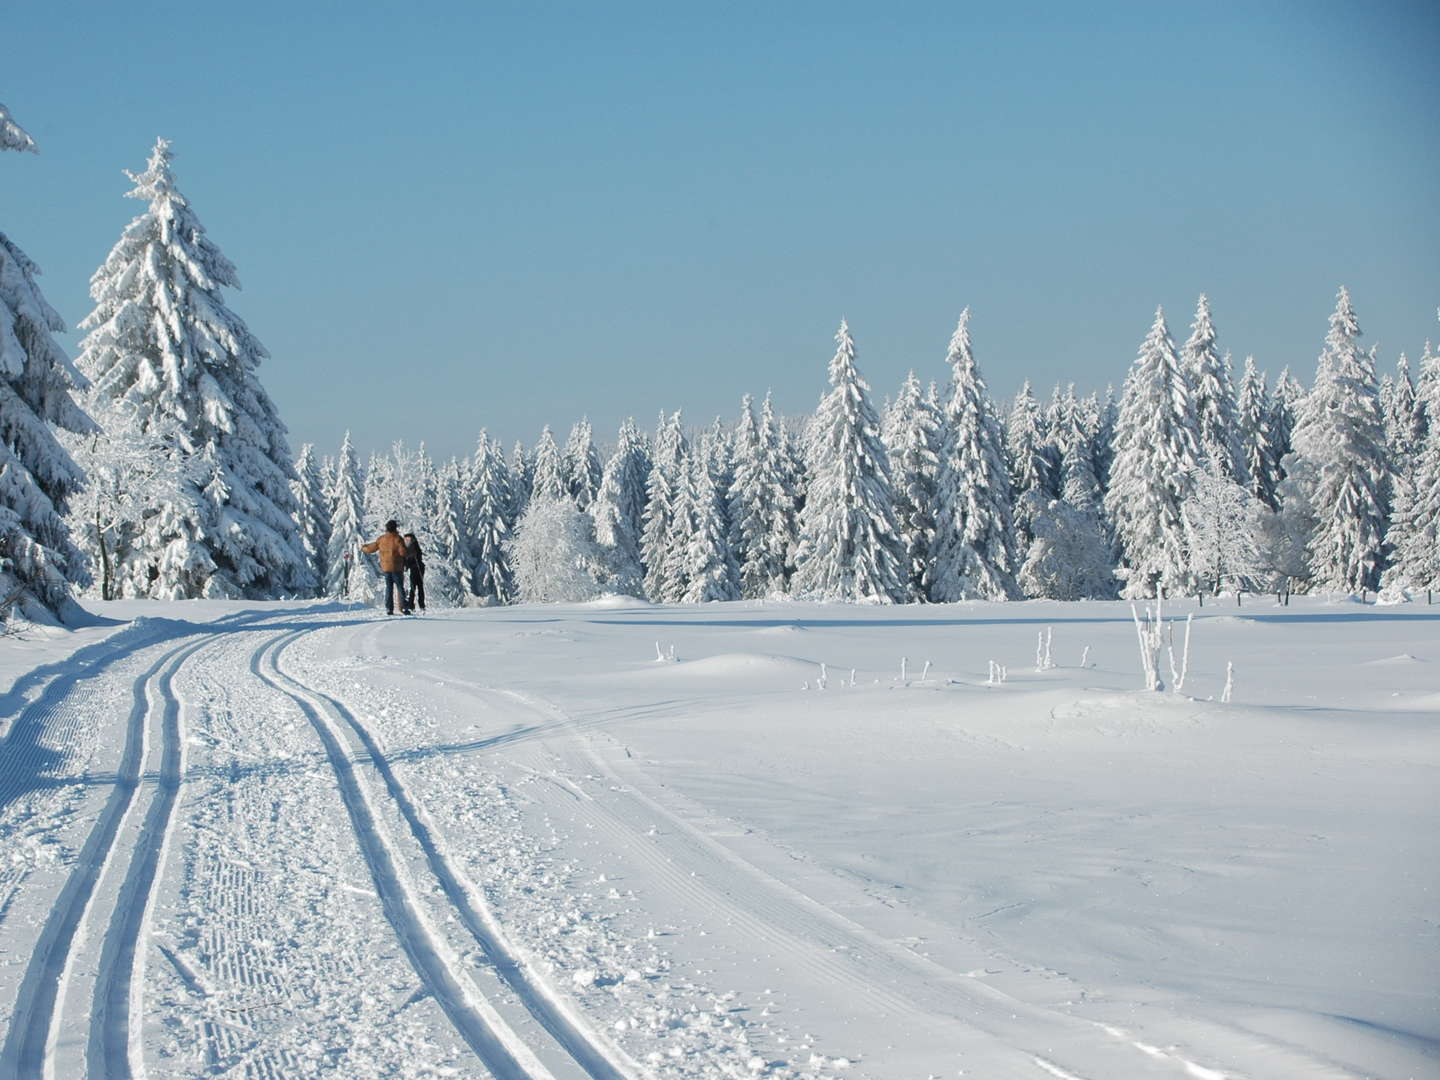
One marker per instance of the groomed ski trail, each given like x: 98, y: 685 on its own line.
x: 495, y: 1042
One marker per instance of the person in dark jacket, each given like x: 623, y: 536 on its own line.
x: 415, y: 563
x: 391, y: 549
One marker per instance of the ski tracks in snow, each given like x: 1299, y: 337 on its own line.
x: 568, y: 1048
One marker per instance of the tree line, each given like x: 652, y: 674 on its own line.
x: 156, y: 465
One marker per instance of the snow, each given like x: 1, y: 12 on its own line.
x: 509, y: 842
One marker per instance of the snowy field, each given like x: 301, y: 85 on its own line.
x: 283, y: 840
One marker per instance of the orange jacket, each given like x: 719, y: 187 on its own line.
x: 391, y: 547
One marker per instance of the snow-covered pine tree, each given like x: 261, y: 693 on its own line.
x: 1032, y: 478
x: 1398, y: 410
x: 350, y: 576
x: 1255, y: 420
x: 1414, y: 535
x: 663, y: 564
x: 550, y: 479
x: 710, y: 572
x: 1156, y: 452
x: 1286, y: 399
x: 312, y: 514
x: 1212, y: 394
x: 162, y: 341
x: 1080, y: 478
x: 1339, y: 432
x: 489, y: 524
x: 38, y: 561
x: 619, y: 512
x: 582, y: 464
x: 973, y: 558
x: 848, y: 548
x: 522, y: 480
x: 913, y: 442
x: 446, y: 570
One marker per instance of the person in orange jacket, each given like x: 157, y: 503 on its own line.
x: 391, y: 547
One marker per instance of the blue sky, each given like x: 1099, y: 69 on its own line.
x: 450, y: 216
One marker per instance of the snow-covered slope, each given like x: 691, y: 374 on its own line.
x: 617, y: 840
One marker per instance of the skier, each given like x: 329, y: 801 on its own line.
x: 392, y: 564
x: 415, y: 563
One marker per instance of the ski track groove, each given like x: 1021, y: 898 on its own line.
x: 474, y: 1020
x: 539, y: 1001
x: 34, y: 1022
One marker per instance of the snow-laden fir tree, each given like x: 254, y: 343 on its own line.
x: 848, y: 548
x: 488, y: 524
x: 762, y: 504
x: 582, y: 464
x: 446, y: 558
x: 1427, y: 395
x: 709, y: 568
x: 1156, y: 452
x: 162, y: 341
x: 619, y: 512
x: 1414, y: 534
x: 1285, y: 404
x: 1400, y: 413
x: 550, y: 478
x: 1255, y: 421
x: 1340, y: 434
x: 1080, y: 476
x: 312, y: 513
x: 913, y: 441
x: 973, y: 558
x: 1212, y: 394
x: 38, y: 561
x: 350, y: 577
x: 522, y: 478
x: 664, y: 570
x: 1032, y: 478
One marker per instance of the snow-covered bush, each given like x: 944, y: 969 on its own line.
x: 553, y: 554
x: 1069, y: 558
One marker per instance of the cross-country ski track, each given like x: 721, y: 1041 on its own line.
x: 304, y: 840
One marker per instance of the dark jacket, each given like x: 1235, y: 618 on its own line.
x: 415, y: 559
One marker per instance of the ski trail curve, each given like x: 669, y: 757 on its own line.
x: 474, y: 1019
x: 552, y: 1014
x: 34, y: 1024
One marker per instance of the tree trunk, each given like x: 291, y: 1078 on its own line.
x: 106, y: 585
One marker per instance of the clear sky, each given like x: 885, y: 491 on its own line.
x: 450, y: 216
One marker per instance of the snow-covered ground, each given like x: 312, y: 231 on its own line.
x: 292, y: 839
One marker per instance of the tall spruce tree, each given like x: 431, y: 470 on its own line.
x: 663, y: 564
x: 973, y: 557
x: 1156, y: 454
x: 1414, y: 534
x: 38, y: 561
x: 848, y: 548
x: 162, y: 341
x: 1255, y: 417
x: 1340, y: 435
x: 312, y: 514
x: 489, y: 525
x: 350, y: 576
x: 550, y: 478
x: 619, y: 512
x: 582, y: 464
x: 1212, y: 395
x: 914, y: 441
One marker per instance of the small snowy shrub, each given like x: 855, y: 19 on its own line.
x: 553, y: 553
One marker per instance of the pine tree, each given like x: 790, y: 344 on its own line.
x: 1212, y: 395
x: 162, y: 341
x: 663, y: 569
x: 913, y: 441
x: 350, y: 576
x: 973, y: 558
x: 709, y: 568
x: 1255, y: 422
x: 1339, y: 432
x: 489, y: 525
x: 582, y: 465
x: 619, y: 512
x: 1400, y: 411
x: 1033, y: 483
x: 38, y: 560
x: 848, y: 546
x: 312, y: 514
x: 549, y: 479
x: 446, y: 558
x: 522, y: 481
x: 1156, y: 452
